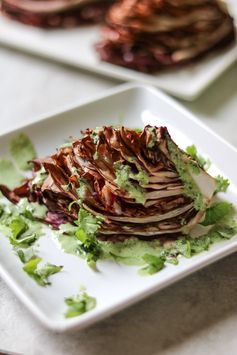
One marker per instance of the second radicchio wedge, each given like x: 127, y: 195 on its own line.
x: 56, y: 13
x: 140, y: 182
x: 152, y: 35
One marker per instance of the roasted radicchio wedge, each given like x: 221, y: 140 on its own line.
x: 55, y: 13
x: 150, y: 35
x: 140, y: 182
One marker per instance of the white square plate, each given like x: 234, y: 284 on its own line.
x: 115, y: 286
x: 76, y: 47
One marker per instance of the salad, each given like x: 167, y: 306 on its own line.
x: 128, y: 195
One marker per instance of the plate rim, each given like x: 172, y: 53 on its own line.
x: 91, y: 318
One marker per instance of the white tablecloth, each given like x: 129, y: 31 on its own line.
x: 198, y: 315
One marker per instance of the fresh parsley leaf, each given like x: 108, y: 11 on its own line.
x: 171, y: 259
x: 199, y: 244
x: 88, y: 227
x: 22, y: 151
x: 18, y: 223
x: 89, y: 246
x: 40, y: 275
x: 18, y: 226
x: 24, y: 241
x: 31, y: 269
x: 203, y: 163
x: 222, y: 184
x: 224, y: 230
x: 154, y: 264
x: 25, y: 254
x: 192, y: 151
x: 217, y: 212
x: 184, y: 247
x: 9, y: 175
x: 48, y: 270
x: 79, y: 304
x: 89, y: 223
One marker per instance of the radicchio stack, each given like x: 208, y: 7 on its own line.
x: 56, y: 13
x: 149, y: 35
x: 87, y: 171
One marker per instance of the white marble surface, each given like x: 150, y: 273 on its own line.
x: 198, y: 315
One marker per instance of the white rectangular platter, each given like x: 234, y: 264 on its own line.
x: 114, y: 286
x: 76, y: 47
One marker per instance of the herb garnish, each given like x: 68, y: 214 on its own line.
x: 154, y: 264
x: 222, y: 184
x: 217, y: 212
x: 203, y: 163
x: 80, y: 238
x: 88, y: 226
x: 40, y: 275
x: 17, y: 222
x: 79, y: 304
x: 22, y: 151
x: 9, y: 175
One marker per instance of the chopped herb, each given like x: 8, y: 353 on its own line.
x: 69, y: 243
x: 88, y: 223
x: 79, y: 304
x: 222, y: 184
x: 18, y: 226
x: 203, y: 163
x: 154, y: 264
x: 219, y: 233
x: 48, y: 270
x: 22, y: 151
x: 18, y: 223
x: 183, y: 247
x: 40, y: 275
x: 23, y: 242
x: 217, y: 212
x: 88, y: 226
x: 80, y: 239
x: 200, y: 244
x: 25, y: 254
x: 9, y: 175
